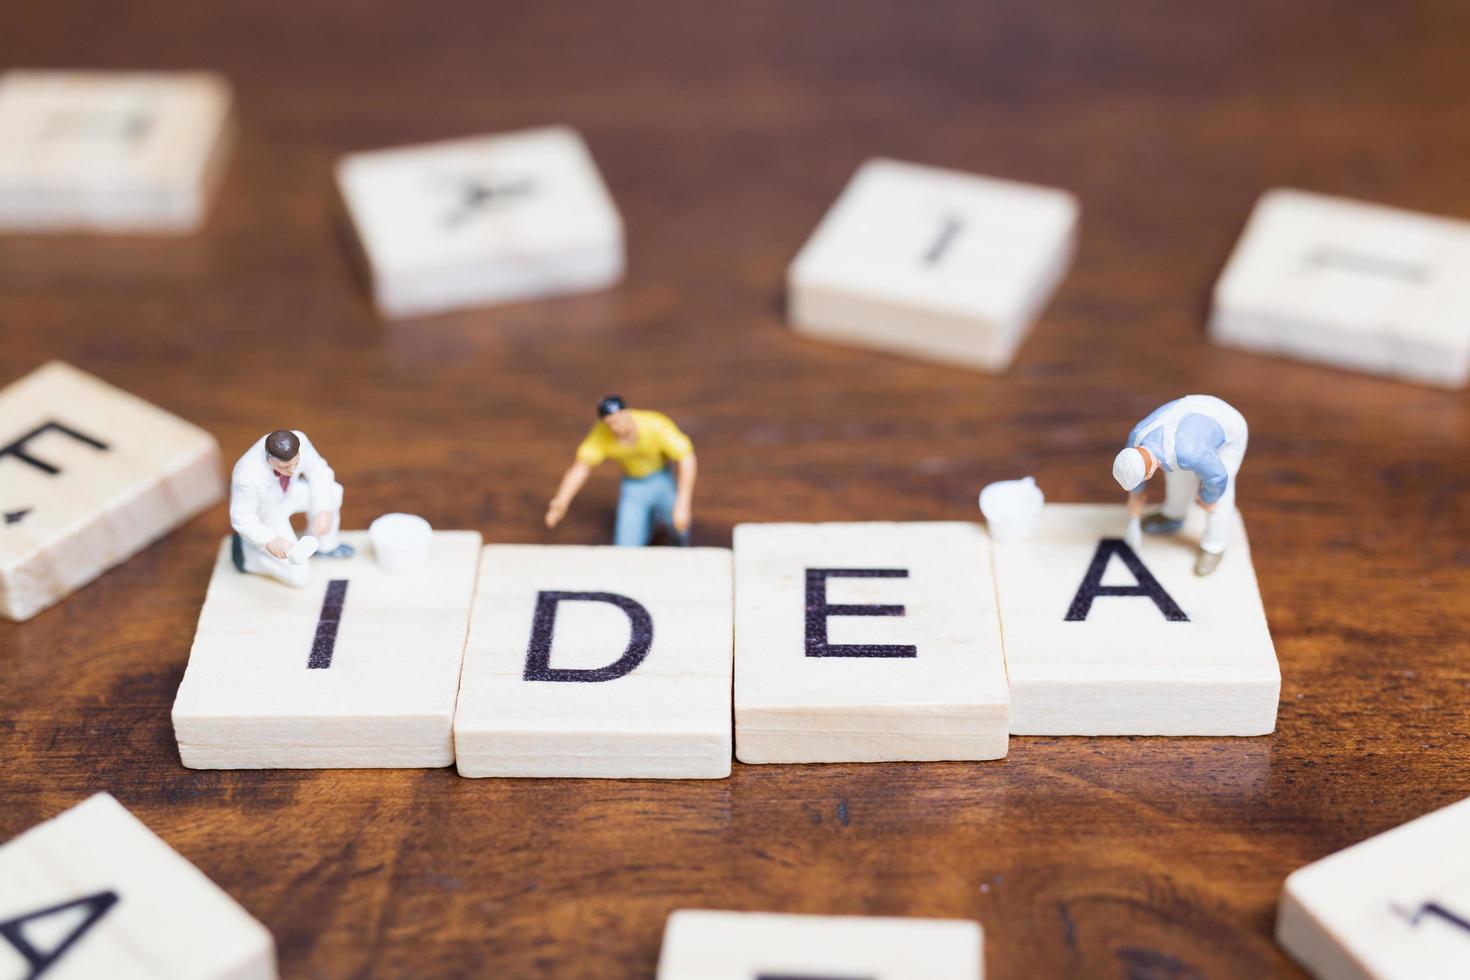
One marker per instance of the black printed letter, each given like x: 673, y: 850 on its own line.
x: 96, y: 905
x: 1092, y: 586
x: 818, y: 611
x: 543, y: 628
x: 18, y: 447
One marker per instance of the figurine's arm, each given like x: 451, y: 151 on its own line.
x: 1136, y: 500
x: 245, y: 519
x: 684, y: 498
x: 320, y: 480
x: 1213, y: 479
x: 571, y: 484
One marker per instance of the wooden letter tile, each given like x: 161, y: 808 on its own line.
x: 484, y: 220
x: 708, y: 945
x: 932, y: 263
x: 1353, y: 285
x: 598, y: 661
x: 866, y: 643
x: 357, y: 670
x: 1170, y: 654
x: 110, y: 151
x: 94, y: 893
x: 1395, y: 907
x: 89, y: 476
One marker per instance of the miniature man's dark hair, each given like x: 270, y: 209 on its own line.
x: 609, y: 405
x: 282, y: 444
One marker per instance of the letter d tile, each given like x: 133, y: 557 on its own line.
x: 598, y: 662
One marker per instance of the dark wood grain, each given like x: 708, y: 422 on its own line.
x: 725, y: 131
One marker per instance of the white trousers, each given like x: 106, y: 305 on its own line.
x: 1181, y: 487
x: 297, y: 501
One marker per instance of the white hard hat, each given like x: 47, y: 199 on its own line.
x: 1129, y: 468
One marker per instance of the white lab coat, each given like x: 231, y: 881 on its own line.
x: 260, y: 512
x: 1181, y: 483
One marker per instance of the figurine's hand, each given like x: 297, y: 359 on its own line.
x: 322, y: 523
x: 683, y: 517
x: 1208, y: 507
x: 555, y: 511
x: 1135, y: 505
x: 280, y: 547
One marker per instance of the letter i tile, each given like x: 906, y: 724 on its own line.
x: 598, y: 662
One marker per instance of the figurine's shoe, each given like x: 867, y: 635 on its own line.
x: 1207, y: 562
x: 341, y: 551
x: 1159, y: 524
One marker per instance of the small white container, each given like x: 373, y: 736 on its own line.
x: 401, y: 543
x: 1012, y: 508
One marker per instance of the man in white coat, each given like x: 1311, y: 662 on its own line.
x: 1199, y: 443
x: 281, y: 475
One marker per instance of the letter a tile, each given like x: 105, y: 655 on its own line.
x: 598, y: 661
x: 1396, y: 906
x: 94, y: 893
x: 359, y: 669
x: 89, y: 476
x: 1103, y: 640
x: 866, y: 643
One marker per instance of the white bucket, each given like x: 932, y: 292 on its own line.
x: 401, y: 543
x: 1012, y: 508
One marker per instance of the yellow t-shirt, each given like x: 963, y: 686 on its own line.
x: 659, y: 441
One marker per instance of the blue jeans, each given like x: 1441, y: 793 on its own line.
x: 644, y: 505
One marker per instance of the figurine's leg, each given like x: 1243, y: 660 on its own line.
x: 663, y: 510
x: 330, y: 545
x: 634, y: 510
x: 1180, y: 488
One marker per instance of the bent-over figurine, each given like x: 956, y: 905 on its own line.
x: 1199, y: 442
x: 658, y: 473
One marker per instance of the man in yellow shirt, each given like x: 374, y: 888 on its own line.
x: 651, y: 450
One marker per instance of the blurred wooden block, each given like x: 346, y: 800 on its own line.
x: 490, y: 219
x: 94, y: 893
x: 89, y: 476
x: 110, y: 151
x: 358, y: 670
x: 1395, y: 906
x: 708, y: 945
x: 1353, y: 285
x: 1173, y: 654
x: 598, y: 661
x: 866, y: 643
x: 933, y: 263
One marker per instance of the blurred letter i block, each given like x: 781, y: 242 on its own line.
x: 490, y: 219
x: 1356, y: 286
x: 1397, y: 905
x: 94, y: 893
x: 932, y: 263
x: 110, y: 151
x: 89, y: 475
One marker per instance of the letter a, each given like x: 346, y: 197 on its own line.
x: 1092, y: 587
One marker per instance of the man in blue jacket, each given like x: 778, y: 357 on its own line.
x: 1199, y: 443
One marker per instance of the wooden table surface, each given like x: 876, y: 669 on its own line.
x: 725, y: 131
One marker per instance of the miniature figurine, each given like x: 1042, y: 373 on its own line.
x: 658, y: 473
x: 1199, y: 441
x: 282, y: 475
